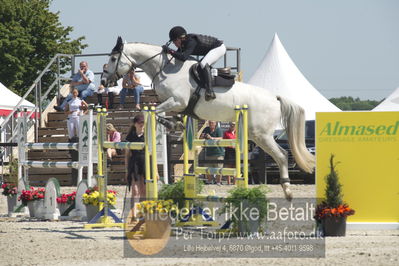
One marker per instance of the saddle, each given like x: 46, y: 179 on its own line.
x: 224, y: 78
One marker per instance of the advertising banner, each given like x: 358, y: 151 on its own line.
x: 366, y: 149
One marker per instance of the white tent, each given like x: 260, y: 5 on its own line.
x: 389, y: 104
x: 8, y: 100
x: 279, y: 74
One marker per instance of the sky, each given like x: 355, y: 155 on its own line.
x: 343, y: 47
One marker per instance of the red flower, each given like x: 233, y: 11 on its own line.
x: 323, y: 211
x: 32, y: 194
x: 67, y: 198
x: 9, y: 189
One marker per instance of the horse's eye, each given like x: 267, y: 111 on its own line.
x: 113, y: 59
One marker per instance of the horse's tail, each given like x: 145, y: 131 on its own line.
x: 293, y: 120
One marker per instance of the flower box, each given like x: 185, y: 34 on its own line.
x: 34, y: 199
x: 334, y: 226
x: 331, y: 213
x: 91, y: 211
x: 65, y: 201
x: 11, y: 203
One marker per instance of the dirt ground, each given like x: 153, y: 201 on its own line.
x: 26, y: 241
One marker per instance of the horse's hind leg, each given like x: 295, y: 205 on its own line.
x: 269, y: 145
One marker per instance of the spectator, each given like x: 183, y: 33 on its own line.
x: 230, y: 152
x: 135, y: 159
x: 83, y: 82
x: 213, y: 153
x: 131, y: 84
x: 108, y: 91
x: 112, y: 136
x: 74, y: 110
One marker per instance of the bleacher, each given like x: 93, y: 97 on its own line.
x: 56, y: 131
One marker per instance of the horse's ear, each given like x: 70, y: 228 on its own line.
x: 119, y: 45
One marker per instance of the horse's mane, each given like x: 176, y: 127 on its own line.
x: 157, y: 46
x: 143, y: 43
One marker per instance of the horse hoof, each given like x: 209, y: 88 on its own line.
x: 287, y: 192
x: 288, y: 195
x: 210, y: 96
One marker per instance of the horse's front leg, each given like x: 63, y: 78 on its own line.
x: 169, y: 105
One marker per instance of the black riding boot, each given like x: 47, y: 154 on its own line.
x: 110, y: 100
x: 207, y: 77
x: 100, y: 99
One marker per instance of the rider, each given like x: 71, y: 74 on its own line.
x: 195, y: 44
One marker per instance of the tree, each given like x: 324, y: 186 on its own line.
x: 348, y: 103
x: 30, y: 36
x: 333, y: 191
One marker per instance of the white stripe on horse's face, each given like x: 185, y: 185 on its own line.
x: 108, y: 76
x: 118, y: 65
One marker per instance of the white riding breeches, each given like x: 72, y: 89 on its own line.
x: 213, y: 55
x: 73, y: 126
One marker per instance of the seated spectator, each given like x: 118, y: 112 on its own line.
x: 112, y: 136
x: 131, y: 85
x: 83, y: 82
x: 74, y: 110
x: 213, y: 153
x: 230, y: 152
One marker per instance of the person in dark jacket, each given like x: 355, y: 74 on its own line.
x: 196, y: 44
x: 135, y: 159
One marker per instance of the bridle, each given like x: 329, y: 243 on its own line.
x: 133, y: 66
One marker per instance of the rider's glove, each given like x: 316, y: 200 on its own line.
x: 165, y: 48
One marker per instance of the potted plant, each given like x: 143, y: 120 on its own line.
x: 65, y: 201
x: 331, y: 213
x: 175, y: 192
x: 10, y: 188
x: 91, y: 198
x: 158, y: 217
x: 10, y: 191
x: 247, y: 208
x: 34, y: 199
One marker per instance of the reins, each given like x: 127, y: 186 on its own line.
x: 145, y: 61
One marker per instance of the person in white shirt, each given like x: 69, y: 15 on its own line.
x: 74, y: 110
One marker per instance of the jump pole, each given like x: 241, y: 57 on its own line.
x: 23, y: 147
x: 190, y: 179
x: 84, y: 160
x: 240, y: 144
x: 102, y: 218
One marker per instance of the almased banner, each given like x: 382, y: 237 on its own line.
x: 366, y: 149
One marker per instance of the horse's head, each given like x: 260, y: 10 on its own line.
x: 118, y: 65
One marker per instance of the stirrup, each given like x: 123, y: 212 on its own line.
x: 210, y: 95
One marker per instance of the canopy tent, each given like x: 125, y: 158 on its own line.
x: 278, y: 73
x: 389, y: 104
x: 9, y: 100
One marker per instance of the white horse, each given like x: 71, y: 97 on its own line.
x: 174, y: 86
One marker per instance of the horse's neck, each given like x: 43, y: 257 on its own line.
x: 142, y: 52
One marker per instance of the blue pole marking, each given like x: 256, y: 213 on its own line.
x: 148, y: 132
x: 190, y: 133
x: 241, y: 132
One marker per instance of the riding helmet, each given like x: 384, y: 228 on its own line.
x: 176, y: 32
